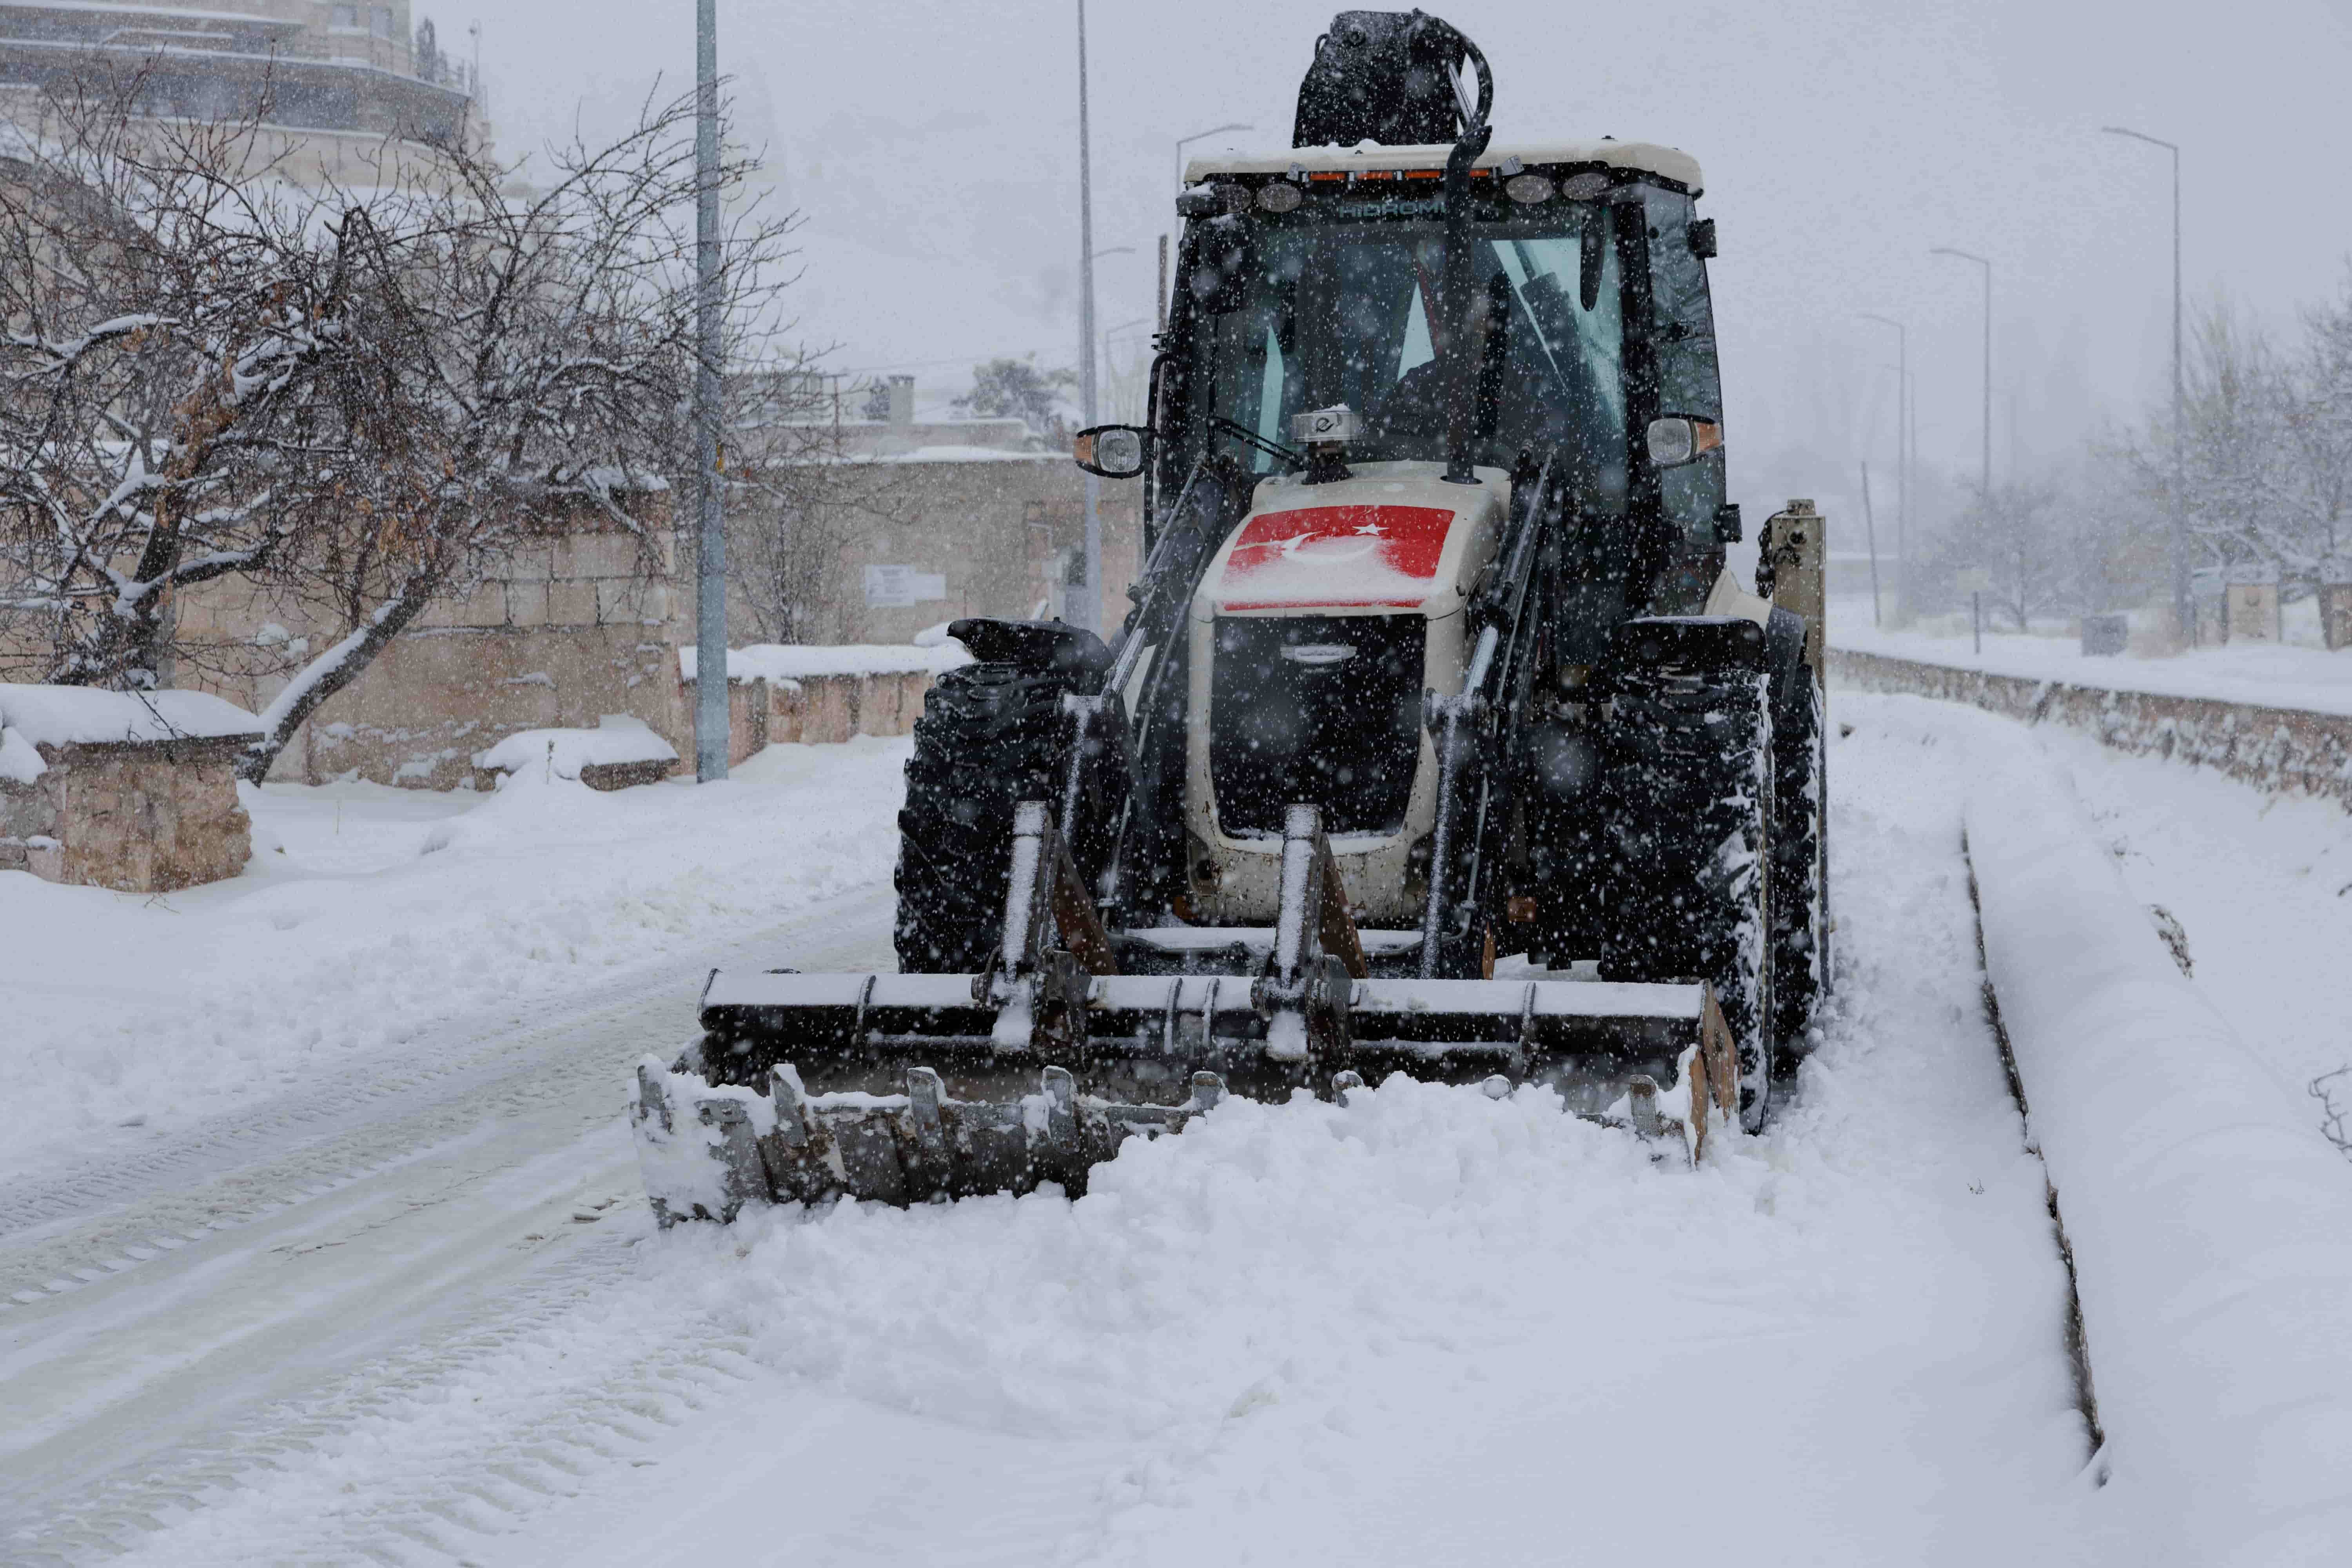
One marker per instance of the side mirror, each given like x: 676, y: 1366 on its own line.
x: 1678, y: 438
x: 1112, y: 451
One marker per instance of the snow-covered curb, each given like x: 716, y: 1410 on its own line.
x: 2211, y: 1225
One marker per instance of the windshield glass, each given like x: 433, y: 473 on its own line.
x: 1307, y: 313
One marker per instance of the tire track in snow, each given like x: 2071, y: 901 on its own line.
x: 542, y: 1460
x: 322, y: 1138
x: 220, y: 1235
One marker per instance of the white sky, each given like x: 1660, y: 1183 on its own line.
x: 933, y: 148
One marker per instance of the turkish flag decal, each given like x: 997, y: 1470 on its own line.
x: 1284, y: 557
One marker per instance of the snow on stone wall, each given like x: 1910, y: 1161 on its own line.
x: 778, y: 661
x: 2284, y: 749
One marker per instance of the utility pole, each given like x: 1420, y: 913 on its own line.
x: 1089, y: 613
x: 1902, y: 462
x: 2182, y: 612
x: 1870, y: 535
x: 710, y: 553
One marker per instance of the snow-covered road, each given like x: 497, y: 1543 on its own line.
x: 274, y: 1269
x: 1426, y: 1328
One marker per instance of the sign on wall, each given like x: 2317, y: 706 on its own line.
x: 895, y: 587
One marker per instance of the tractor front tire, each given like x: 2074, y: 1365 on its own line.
x: 1688, y: 807
x: 990, y: 736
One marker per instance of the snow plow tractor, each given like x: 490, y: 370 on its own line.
x: 1434, y: 661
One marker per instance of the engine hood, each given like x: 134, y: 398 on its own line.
x: 1394, y: 537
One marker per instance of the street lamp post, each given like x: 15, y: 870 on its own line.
x: 710, y: 553
x: 1111, y: 332
x: 1981, y: 261
x: 1089, y: 613
x: 2180, y: 606
x: 1902, y: 460
x: 1185, y: 142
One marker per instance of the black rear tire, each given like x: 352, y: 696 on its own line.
x: 1688, y: 803
x: 1799, y: 883
x: 990, y: 736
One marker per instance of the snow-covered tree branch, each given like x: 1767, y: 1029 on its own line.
x: 359, y: 399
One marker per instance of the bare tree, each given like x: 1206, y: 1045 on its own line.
x: 519, y: 354
x: 170, y: 335
x: 2019, y: 536
x: 1016, y: 388
x: 796, y: 494
x: 2319, y: 420
x: 358, y: 398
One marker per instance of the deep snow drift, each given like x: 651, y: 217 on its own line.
x: 1427, y: 1327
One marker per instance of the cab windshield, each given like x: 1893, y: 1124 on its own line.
x: 1309, y: 312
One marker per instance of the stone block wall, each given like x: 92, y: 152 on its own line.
x: 995, y: 530
x: 2288, y: 751
x: 138, y: 816
x: 581, y: 619
x: 813, y: 710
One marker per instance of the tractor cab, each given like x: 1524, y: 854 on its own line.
x: 1317, y: 278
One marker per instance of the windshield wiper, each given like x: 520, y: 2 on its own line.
x: 1242, y: 432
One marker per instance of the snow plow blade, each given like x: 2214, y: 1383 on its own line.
x: 906, y: 1088
x: 893, y: 1088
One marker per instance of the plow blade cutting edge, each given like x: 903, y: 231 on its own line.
x: 904, y: 1087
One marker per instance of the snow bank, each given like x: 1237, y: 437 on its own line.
x: 777, y: 662
x: 2212, y: 1225
x: 81, y: 715
x: 617, y: 738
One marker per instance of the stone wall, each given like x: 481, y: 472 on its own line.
x: 146, y: 816
x: 584, y: 619
x: 2284, y: 749
x: 581, y: 620
x: 999, y: 529
x: 814, y: 710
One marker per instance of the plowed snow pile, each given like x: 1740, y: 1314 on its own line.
x: 1429, y: 1326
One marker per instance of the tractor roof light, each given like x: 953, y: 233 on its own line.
x: 1530, y: 189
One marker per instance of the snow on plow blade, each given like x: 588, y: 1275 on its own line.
x: 904, y: 1087
x: 893, y: 1087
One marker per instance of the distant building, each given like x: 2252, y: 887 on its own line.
x: 333, y: 82
x: 974, y: 516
